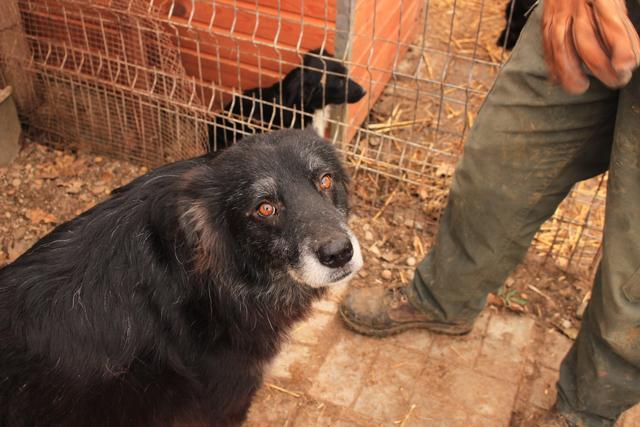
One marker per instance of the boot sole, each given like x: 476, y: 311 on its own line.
x: 436, y: 327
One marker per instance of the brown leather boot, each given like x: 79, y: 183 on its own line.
x: 380, y: 312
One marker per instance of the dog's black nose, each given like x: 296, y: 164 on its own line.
x: 355, y: 92
x: 336, y: 252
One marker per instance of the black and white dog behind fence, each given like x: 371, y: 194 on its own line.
x: 515, y: 21
x: 298, y: 100
x: 162, y: 305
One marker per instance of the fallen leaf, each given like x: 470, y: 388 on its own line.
x: 49, y: 173
x: 98, y: 189
x: 38, y: 215
x: 74, y: 187
x: 389, y: 256
x: 107, y: 176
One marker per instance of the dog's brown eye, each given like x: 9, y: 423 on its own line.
x: 326, y: 182
x: 266, y: 210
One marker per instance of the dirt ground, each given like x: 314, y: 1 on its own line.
x: 44, y: 187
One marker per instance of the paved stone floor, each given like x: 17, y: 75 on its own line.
x: 328, y: 376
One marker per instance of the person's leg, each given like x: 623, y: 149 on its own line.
x: 600, y: 377
x: 531, y: 143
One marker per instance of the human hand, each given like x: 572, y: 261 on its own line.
x: 597, y: 33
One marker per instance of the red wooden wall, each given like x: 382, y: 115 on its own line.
x: 246, y: 44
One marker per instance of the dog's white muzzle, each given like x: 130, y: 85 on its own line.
x: 311, y: 272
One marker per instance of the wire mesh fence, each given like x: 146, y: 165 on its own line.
x: 158, y: 80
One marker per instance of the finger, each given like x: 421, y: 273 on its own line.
x: 635, y: 40
x: 591, y: 50
x: 548, y: 51
x: 632, y: 33
x: 623, y: 46
x: 565, y: 57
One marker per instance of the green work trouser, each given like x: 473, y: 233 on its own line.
x: 531, y: 143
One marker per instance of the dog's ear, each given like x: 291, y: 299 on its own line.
x: 198, y: 230
x: 196, y: 226
x: 320, y: 60
x: 316, y: 51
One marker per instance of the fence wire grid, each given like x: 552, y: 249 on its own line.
x: 152, y: 81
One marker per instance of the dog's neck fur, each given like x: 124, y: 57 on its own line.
x: 320, y: 118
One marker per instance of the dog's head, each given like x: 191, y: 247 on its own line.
x: 281, y: 199
x: 322, y: 80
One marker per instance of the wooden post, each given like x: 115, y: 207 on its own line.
x: 344, y: 23
x: 9, y: 128
x: 15, y: 56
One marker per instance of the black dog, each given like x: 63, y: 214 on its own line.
x: 321, y: 81
x: 162, y: 305
x: 515, y: 22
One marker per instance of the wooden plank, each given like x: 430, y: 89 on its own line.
x: 233, y: 42
x: 229, y: 74
x: 225, y: 19
x: 273, y: 58
x: 239, y: 35
x: 383, y: 43
x: 323, y: 10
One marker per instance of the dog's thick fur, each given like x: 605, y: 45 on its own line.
x: 162, y: 305
x: 321, y: 81
x: 515, y: 22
